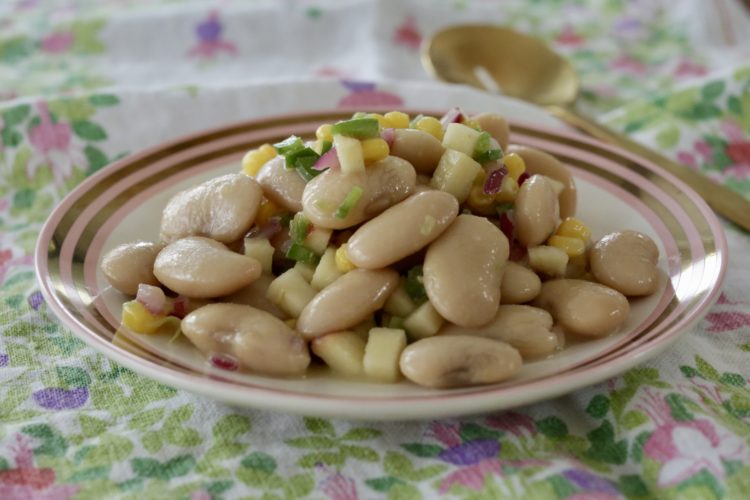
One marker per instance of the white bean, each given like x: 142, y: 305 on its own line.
x: 539, y: 162
x: 463, y: 271
x: 258, y: 340
x: 222, y: 209
x: 347, y: 301
x: 417, y: 147
x: 536, y: 211
x: 626, y: 261
x: 456, y: 361
x: 582, y: 307
x: 130, y: 264
x: 283, y: 186
x: 520, y: 284
x: 402, y: 230
x: 383, y: 184
x: 203, y: 268
x: 526, y: 328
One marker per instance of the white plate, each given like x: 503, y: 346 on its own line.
x: 123, y: 203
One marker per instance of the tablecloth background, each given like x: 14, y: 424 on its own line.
x: 85, y: 82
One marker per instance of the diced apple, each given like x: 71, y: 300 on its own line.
x: 306, y: 270
x: 317, y: 239
x: 461, y: 138
x: 551, y: 261
x: 455, y: 174
x: 290, y: 292
x: 382, y: 354
x: 349, y: 152
x: 343, y: 352
x: 261, y: 250
x: 326, y: 272
x: 423, y: 322
x: 399, y: 303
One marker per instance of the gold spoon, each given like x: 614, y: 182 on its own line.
x: 502, y: 60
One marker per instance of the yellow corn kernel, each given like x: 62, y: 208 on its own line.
x: 577, y: 266
x: 380, y: 118
x: 342, y: 260
x: 256, y: 158
x: 515, y: 165
x: 374, y: 149
x: 508, y: 190
x: 137, y: 318
x: 323, y: 133
x: 432, y: 126
x: 266, y: 210
x: 480, y: 178
x: 472, y: 124
x: 480, y: 202
x: 395, y: 119
x: 291, y: 323
x: 571, y: 246
x: 574, y: 228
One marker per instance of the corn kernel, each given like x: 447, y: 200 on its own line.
x: 266, y: 210
x: 508, y: 190
x: 574, y: 228
x: 323, y: 133
x: 480, y: 202
x: 432, y: 126
x: 256, y: 158
x: 577, y: 266
x: 291, y: 323
x: 137, y: 318
x: 268, y: 151
x: 571, y: 246
x: 343, y: 263
x: 515, y: 165
x: 374, y: 149
x: 396, y: 119
x: 380, y: 118
x: 472, y: 124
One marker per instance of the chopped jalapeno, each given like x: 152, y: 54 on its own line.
x: 349, y: 202
x: 289, y: 145
x: 299, y: 227
x: 483, y: 151
x: 358, y: 128
x: 414, y: 285
x: 301, y: 253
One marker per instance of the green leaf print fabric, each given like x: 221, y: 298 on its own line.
x: 86, y: 82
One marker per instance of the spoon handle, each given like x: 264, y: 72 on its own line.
x: 721, y: 199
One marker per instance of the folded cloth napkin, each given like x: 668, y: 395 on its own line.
x: 84, y: 82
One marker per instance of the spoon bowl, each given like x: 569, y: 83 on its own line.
x: 489, y: 57
x: 502, y: 60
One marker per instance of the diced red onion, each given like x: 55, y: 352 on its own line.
x: 180, y: 307
x: 329, y: 159
x: 267, y: 231
x: 388, y: 135
x: 494, y: 180
x: 224, y: 362
x: 152, y: 298
x: 454, y: 115
x: 522, y: 178
x: 507, y: 225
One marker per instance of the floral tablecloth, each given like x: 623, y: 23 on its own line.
x: 84, y: 82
